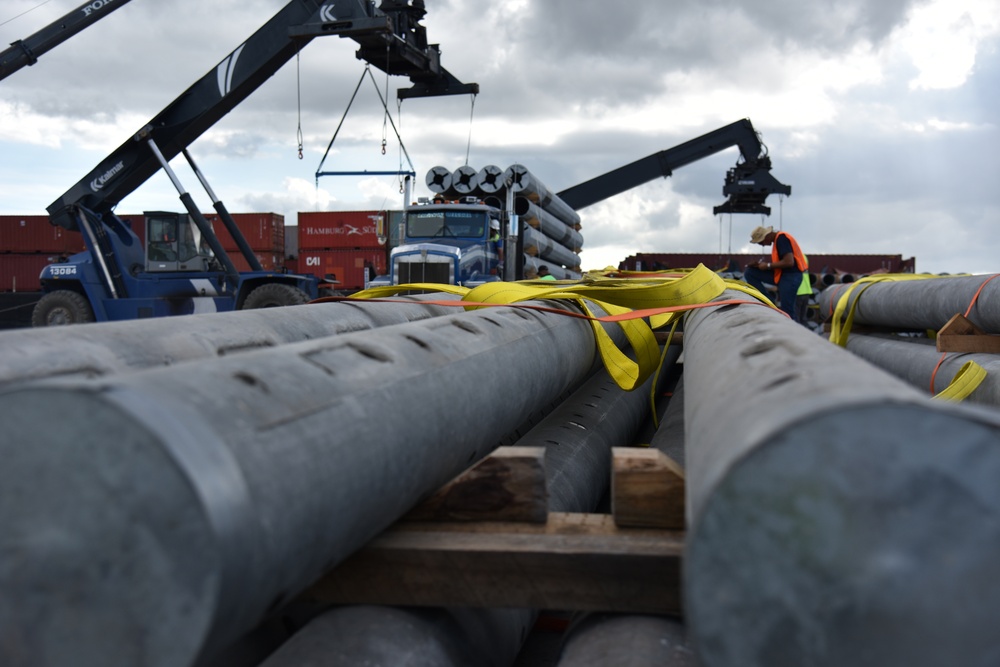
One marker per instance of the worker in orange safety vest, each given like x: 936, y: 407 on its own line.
x: 784, y: 268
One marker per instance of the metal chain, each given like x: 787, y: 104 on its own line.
x: 298, y: 86
x: 468, y: 147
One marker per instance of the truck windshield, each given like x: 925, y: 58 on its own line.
x: 459, y: 224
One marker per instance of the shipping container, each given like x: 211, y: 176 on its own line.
x: 269, y: 262
x: 265, y: 232
x: 138, y: 223
x: 291, y: 241
x: 348, y: 265
x: 35, y: 234
x: 818, y: 263
x: 328, y: 230
x: 19, y: 272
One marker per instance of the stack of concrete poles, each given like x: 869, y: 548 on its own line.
x: 526, y: 185
x: 905, y: 311
x: 156, y: 515
x: 577, y: 438
x: 837, y: 516
x: 551, y: 233
x: 922, y: 303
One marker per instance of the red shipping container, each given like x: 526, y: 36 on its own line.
x: 347, y: 264
x: 75, y: 242
x: 35, y: 234
x: 138, y: 222
x: 265, y: 232
x: 322, y: 230
x: 267, y: 262
x: 19, y: 272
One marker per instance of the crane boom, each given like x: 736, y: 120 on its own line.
x: 25, y: 52
x: 394, y: 34
x: 747, y: 185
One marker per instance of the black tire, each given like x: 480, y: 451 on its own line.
x: 275, y: 295
x: 61, y: 307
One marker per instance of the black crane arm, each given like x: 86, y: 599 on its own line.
x: 741, y: 134
x: 394, y: 35
x: 26, y: 51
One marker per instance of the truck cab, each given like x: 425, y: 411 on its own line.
x: 453, y: 242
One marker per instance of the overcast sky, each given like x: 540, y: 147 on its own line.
x: 881, y: 114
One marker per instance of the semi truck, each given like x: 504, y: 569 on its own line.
x: 447, y: 242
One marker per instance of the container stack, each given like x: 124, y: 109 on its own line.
x: 29, y: 243
x: 265, y: 232
x: 344, y: 245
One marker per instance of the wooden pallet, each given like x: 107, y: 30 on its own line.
x: 487, y: 539
x: 961, y: 335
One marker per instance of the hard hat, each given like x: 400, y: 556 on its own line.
x: 494, y: 224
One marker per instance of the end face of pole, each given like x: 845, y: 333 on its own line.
x: 101, y: 533
x: 864, y: 537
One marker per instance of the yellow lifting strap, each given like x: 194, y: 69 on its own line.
x: 629, y: 301
x: 968, y: 377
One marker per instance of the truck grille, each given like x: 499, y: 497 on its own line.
x: 419, y: 272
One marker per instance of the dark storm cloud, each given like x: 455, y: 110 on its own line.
x: 700, y: 32
x: 606, y: 55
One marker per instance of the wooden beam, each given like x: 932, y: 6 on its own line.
x: 961, y: 335
x: 573, y: 562
x: 647, y: 489
x: 662, y: 336
x: 508, y: 485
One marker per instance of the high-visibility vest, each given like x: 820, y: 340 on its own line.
x: 806, y: 286
x: 800, y: 259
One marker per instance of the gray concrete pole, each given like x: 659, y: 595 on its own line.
x: 837, y: 516
x: 548, y: 224
x: 439, y: 180
x: 549, y: 250
x: 602, y: 640
x: 525, y: 184
x: 919, y: 304
x: 106, y: 348
x: 913, y: 360
x: 153, y: 515
x: 490, y: 180
x: 465, y: 180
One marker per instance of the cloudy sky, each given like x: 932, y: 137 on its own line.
x: 881, y: 114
